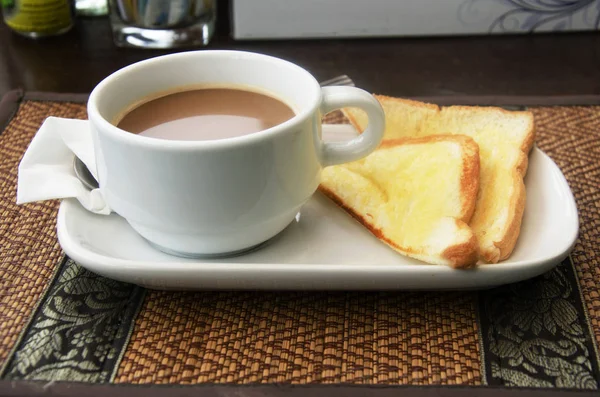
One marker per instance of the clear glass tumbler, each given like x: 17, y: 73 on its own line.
x: 162, y: 23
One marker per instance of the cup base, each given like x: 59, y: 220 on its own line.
x: 203, y: 246
x: 192, y: 255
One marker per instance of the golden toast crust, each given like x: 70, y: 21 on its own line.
x: 501, y: 248
x: 459, y: 256
x: 516, y: 208
x: 517, y: 203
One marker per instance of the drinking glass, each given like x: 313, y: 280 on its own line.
x: 162, y: 23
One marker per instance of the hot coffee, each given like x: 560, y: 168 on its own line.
x: 204, y: 114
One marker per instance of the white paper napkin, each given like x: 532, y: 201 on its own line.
x: 46, y: 170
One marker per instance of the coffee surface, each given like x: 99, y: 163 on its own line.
x: 205, y: 114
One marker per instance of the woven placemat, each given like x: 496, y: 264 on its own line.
x: 61, y: 322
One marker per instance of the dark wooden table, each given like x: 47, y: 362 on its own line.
x: 531, y: 65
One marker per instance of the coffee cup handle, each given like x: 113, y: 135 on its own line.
x: 343, y: 152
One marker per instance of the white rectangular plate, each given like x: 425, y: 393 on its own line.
x: 326, y: 249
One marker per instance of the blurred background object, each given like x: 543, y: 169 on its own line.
x: 270, y: 19
x: 545, y: 64
x: 91, y: 8
x: 162, y: 23
x: 38, y: 18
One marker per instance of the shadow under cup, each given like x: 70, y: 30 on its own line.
x: 217, y: 197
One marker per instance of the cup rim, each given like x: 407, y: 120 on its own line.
x: 107, y: 127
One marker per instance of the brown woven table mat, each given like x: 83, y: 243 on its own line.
x: 61, y: 322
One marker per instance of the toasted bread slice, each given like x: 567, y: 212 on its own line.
x: 416, y: 195
x: 504, y: 138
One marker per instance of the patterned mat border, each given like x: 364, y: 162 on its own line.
x: 14, y: 389
x: 10, y: 101
x: 486, y: 100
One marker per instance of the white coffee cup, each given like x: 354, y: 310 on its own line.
x: 216, y: 197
